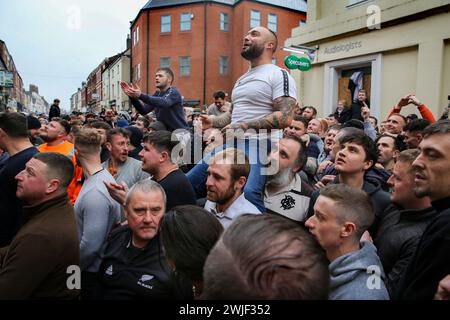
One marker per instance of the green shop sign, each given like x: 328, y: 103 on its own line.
x: 294, y: 62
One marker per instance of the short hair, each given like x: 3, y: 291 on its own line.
x: 302, y: 155
x: 168, y: 71
x: 417, y: 125
x: 56, y: 100
x: 63, y: 123
x: 353, y: 123
x: 360, y: 138
x: 336, y: 127
x: 323, y: 124
x: 117, y: 131
x: 188, y: 235
x: 219, y: 94
x: 100, y: 125
x: 239, y: 162
x: 314, y: 110
x: 301, y: 119
x: 399, y: 143
x: 363, y: 91
x: 439, y: 127
x: 88, y: 140
x: 354, y: 204
x: 14, y: 124
x: 144, y: 120
x: 374, y: 118
x: 281, y: 261
x: 408, y: 156
x: 162, y: 140
x: 145, y: 186
x: 276, y: 40
x: 57, y: 166
x: 399, y: 115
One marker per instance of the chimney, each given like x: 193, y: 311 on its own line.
x: 128, y: 42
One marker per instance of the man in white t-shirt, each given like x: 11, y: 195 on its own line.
x: 263, y: 101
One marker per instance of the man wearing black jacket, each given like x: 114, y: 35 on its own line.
x: 55, y: 111
x: 431, y: 262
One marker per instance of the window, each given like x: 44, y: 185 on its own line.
x: 164, y: 62
x: 165, y: 24
x: 223, y: 21
x: 272, y: 20
x: 274, y: 61
x: 185, y: 66
x: 137, y: 72
x: 185, y: 22
x: 136, y: 36
x: 255, y: 19
x: 223, y: 65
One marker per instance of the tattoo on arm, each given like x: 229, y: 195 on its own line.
x: 281, y: 117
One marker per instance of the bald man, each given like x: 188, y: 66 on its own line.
x: 263, y: 101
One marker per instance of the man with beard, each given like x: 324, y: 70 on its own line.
x: 166, y: 102
x: 264, y: 100
x: 227, y: 174
x: 119, y: 165
x: 55, y: 135
x: 286, y: 194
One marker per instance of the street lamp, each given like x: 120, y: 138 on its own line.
x: 311, y: 52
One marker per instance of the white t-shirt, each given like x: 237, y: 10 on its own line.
x: 254, y: 92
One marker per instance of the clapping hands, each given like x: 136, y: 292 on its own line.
x: 132, y: 91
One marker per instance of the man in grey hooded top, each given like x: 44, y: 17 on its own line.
x: 341, y: 215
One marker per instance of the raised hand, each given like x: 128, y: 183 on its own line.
x: 404, y: 101
x: 207, y: 122
x: 413, y: 99
x: 117, y: 191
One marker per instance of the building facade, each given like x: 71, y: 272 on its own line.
x: 201, y: 41
x: 12, y: 95
x: 112, y: 94
x: 391, y: 47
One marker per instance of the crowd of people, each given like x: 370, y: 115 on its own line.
x: 282, y: 204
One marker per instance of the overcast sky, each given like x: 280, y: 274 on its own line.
x: 55, y: 44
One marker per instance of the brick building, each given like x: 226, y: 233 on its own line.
x: 201, y: 41
x: 14, y: 96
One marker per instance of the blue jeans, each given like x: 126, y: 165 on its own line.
x: 256, y: 151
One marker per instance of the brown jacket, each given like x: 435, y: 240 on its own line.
x: 35, y: 264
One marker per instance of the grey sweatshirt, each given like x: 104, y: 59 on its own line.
x: 96, y: 213
x: 352, y: 276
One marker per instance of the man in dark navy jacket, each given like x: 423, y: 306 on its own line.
x: 166, y: 102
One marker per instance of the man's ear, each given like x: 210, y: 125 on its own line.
x: 419, y: 137
x: 108, y: 146
x: 368, y: 165
x: 52, y: 186
x: 348, y: 229
x: 240, y: 183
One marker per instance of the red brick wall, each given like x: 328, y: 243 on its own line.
x: 191, y: 43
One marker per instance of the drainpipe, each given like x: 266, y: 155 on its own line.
x: 204, y: 53
x: 148, y: 49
